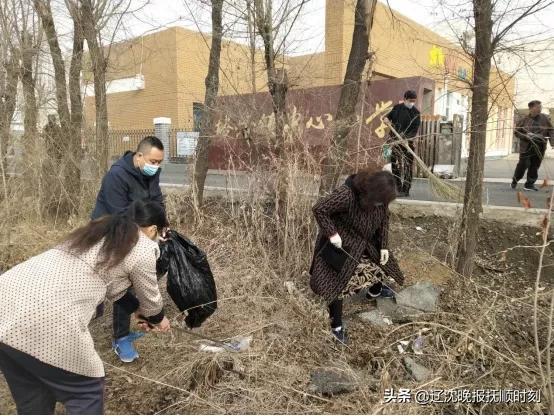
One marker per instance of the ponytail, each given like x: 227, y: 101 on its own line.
x: 120, y: 234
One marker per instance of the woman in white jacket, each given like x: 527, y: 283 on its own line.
x: 47, y: 354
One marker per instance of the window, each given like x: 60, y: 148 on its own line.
x: 196, y: 115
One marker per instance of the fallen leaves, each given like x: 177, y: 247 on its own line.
x: 523, y: 200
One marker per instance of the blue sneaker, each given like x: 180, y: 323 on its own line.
x: 124, y: 347
x: 379, y: 290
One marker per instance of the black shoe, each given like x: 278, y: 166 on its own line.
x: 514, y: 184
x: 340, y: 335
x: 530, y: 188
x: 386, y: 292
x: 380, y: 291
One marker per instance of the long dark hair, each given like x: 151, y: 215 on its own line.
x: 374, y: 188
x: 120, y: 232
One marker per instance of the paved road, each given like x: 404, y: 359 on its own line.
x: 495, y: 193
x: 504, y: 168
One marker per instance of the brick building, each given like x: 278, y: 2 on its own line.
x: 162, y: 74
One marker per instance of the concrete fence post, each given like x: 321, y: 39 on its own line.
x: 162, y: 130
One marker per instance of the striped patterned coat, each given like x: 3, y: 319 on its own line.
x: 360, y: 230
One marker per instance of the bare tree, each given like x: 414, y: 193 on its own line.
x: 9, y: 78
x: 99, y: 66
x: 68, y: 144
x: 494, y: 21
x: 273, y: 31
x: 28, y: 41
x: 208, y: 116
x: 346, y: 117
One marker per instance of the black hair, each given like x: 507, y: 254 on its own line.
x: 149, y: 142
x: 120, y: 232
x: 374, y: 188
x: 534, y: 103
x: 410, y: 95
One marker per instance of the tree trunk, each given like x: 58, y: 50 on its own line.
x: 8, y: 98
x: 66, y: 200
x: 99, y: 66
x: 45, y: 13
x: 477, y: 145
x: 346, y: 118
x: 28, y: 81
x: 208, y: 115
x: 277, y: 81
x: 73, y: 169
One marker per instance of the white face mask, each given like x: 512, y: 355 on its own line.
x: 409, y: 105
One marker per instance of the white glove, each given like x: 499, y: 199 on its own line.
x: 384, y: 257
x: 336, y: 241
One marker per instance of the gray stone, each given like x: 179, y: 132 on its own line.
x: 389, y: 308
x: 373, y: 317
x: 410, y: 302
x: 421, y: 297
x: 418, y: 372
x: 329, y: 382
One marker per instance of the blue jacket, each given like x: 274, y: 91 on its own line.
x: 123, y: 184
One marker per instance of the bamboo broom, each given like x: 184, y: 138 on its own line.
x: 439, y: 187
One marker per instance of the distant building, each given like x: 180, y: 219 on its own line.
x: 162, y: 74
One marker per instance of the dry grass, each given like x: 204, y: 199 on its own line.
x: 481, y: 338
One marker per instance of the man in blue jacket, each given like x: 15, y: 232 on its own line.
x: 136, y: 176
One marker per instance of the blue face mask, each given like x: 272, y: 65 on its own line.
x: 150, y: 170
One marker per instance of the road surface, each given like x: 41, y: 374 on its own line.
x: 495, y: 193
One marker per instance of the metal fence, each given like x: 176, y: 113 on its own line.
x: 439, y: 143
x: 181, y: 145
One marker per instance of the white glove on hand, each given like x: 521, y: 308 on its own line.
x: 336, y: 241
x: 384, y: 257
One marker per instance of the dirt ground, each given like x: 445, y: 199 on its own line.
x: 482, y: 336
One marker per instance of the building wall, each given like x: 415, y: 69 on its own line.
x: 174, y: 64
x: 153, y: 56
x: 235, y: 77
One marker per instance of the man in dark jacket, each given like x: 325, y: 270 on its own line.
x: 405, y: 118
x: 532, y: 132
x: 136, y: 176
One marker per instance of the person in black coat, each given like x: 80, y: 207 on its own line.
x: 405, y: 118
x: 354, y: 218
x: 134, y: 177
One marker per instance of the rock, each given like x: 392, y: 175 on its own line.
x: 409, y: 302
x: 374, y: 317
x: 390, y: 309
x: 329, y: 382
x: 418, y: 372
x: 421, y: 297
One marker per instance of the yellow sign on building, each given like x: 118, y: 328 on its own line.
x: 436, y: 57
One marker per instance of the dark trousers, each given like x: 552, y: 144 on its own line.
x: 402, y: 163
x: 121, y: 322
x: 335, y: 313
x: 530, y: 161
x: 335, y: 307
x: 36, y: 386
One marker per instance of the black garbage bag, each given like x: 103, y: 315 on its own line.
x: 190, y: 282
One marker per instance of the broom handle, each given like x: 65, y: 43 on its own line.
x: 403, y: 142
